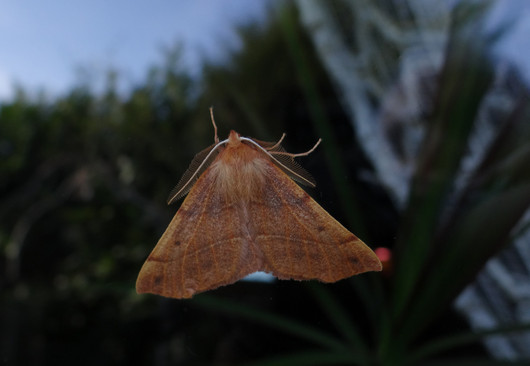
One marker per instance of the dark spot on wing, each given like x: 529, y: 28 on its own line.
x: 157, y: 280
x: 355, y: 261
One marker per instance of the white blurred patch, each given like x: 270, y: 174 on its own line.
x: 260, y: 277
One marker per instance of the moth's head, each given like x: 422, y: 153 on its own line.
x: 234, y: 138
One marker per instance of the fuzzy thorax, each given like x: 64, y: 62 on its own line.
x: 240, y: 170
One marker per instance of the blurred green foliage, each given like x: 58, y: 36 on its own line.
x: 85, y: 178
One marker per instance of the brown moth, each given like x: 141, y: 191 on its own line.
x: 244, y: 213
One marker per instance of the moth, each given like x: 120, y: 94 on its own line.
x: 244, y: 213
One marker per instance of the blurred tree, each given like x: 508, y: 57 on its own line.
x: 79, y: 202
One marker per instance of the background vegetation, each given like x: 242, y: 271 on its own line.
x: 85, y: 178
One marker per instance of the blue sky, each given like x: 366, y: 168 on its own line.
x: 43, y: 43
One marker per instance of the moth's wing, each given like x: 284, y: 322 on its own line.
x: 198, y: 165
x: 299, y: 240
x: 286, y: 163
x: 203, y: 247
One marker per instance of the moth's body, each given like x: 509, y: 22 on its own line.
x: 240, y: 170
x: 245, y: 214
